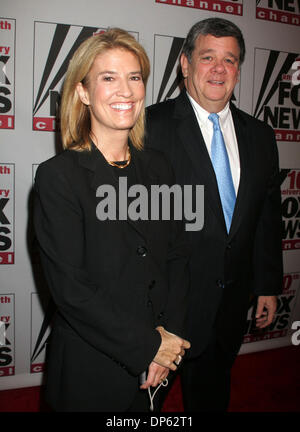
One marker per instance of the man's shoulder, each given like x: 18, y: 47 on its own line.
x: 160, y: 108
x: 156, y: 163
x: 153, y: 157
x: 249, y: 120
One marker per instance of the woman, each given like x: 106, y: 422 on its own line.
x: 119, y: 284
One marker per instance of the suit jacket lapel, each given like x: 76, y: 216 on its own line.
x: 242, y: 140
x: 193, y: 142
x: 143, y: 177
x: 100, y: 173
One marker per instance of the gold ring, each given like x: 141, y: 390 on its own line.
x: 178, y: 360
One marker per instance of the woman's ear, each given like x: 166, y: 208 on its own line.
x: 83, y: 93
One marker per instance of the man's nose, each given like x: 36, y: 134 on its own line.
x: 219, y: 66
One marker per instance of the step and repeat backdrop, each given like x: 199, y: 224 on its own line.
x: 37, y: 39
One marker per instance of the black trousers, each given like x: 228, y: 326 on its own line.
x: 205, y: 380
x: 141, y: 402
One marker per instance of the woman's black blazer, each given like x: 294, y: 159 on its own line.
x: 112, y: 281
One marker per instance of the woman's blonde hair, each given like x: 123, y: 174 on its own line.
x: 74, y: 115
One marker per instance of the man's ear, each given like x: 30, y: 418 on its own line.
x: 184, y: 65
x: 82, y: 93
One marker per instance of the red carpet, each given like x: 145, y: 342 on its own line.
x: 267, y: 381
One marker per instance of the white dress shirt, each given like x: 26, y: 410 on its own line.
x: 227, y: 127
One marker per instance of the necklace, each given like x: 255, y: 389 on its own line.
x: 123, y: 165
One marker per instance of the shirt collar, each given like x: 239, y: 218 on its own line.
x: 202, y: 114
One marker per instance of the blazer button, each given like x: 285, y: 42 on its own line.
x: 160, y: 315
x: 219, y: 283
x: 152, y: 283
x: 142, y: 251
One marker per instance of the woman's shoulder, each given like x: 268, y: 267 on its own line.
x: 57, y: 167
x: 63, y: 161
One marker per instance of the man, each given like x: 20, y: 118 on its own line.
x: 238, y: 251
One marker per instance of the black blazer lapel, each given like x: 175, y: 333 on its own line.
x: 101, y: 173
x: 243, y: 146
x: 143, y: 177
x: 192, y: 141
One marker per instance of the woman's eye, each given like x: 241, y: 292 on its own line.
x: 136, y: 78
x: 108, y: 78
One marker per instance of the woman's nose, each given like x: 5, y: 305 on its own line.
x: 124, y: 88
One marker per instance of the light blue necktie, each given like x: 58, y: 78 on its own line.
x: 220, y: 161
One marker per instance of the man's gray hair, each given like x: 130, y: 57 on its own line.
x: 217, y: 27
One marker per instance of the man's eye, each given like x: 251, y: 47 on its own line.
x: 206, y: 59
x: 229, y: 60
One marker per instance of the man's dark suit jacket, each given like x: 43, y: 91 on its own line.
x: 113, y: 281
x: 225, y: 268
